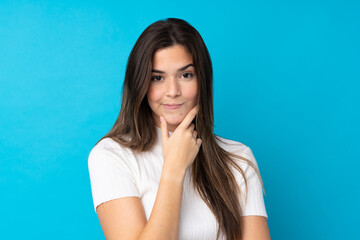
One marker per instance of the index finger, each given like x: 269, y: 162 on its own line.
x: 189, y: 117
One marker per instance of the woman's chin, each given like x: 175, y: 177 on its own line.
x: 174, y: 122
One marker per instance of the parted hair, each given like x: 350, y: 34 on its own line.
x: 213, y: 168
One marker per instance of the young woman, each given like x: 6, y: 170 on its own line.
x: 161, y: 173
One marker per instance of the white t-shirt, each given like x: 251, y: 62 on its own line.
x: 117, y: 172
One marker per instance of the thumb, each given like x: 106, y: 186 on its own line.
x: 164, y: 130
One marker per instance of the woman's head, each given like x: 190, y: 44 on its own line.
x: 173, y: 89
x: 167, y: 39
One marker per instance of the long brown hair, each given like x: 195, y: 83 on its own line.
x: 212, y: 170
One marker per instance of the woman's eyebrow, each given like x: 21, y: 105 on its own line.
x: 179, y: 70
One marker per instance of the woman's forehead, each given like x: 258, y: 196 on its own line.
x: 174, y: 57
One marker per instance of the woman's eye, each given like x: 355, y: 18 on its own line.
x: 156, y: 78
x: 187, y: 75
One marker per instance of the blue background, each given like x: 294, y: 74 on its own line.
x: 286, y: 84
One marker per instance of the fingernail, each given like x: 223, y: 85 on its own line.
x: 161, y: 119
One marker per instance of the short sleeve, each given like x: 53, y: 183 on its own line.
x: 254, y: 203
x: 111, y: 174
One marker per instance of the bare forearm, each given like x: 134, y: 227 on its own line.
x: 164, y: 219
x: 179, y: 151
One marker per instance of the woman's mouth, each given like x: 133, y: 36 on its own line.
x: 171, y: 106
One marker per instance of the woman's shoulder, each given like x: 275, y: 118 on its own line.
x: 113, y: 171
x: 107, y: 143
x: 238, y: 149
x: 233, y: 146
x: 109, y: 150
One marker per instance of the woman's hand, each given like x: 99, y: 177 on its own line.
x: 181, y: 148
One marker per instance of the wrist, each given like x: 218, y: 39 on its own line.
x: 173, y: 175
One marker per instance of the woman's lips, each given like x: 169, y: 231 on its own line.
x: 171, y: 106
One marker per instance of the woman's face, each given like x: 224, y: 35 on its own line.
x: 173, y: 88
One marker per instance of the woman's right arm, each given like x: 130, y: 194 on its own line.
x: 124, y: 218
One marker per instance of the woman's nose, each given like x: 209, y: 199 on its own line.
x: 172, y: 88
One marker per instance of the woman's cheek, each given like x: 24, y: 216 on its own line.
x: 153, y: 94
